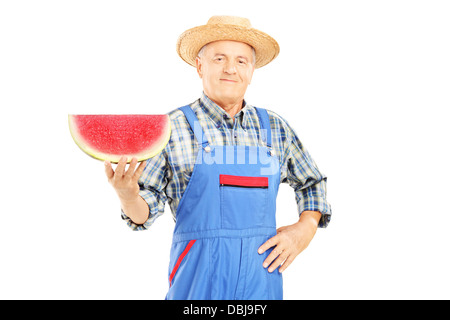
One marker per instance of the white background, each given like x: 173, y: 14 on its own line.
x: 365, y: 84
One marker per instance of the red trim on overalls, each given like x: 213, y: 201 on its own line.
x: 180, y: 258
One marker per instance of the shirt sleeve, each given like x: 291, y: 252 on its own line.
x: 301, y: 173
x: 152, y: 185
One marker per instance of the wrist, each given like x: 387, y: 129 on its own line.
x: 129, y: 201
x: 136, y: 209
x: 310, y: 217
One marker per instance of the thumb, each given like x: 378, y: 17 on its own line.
x: 280, y: 229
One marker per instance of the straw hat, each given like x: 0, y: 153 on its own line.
x: 227, y: 28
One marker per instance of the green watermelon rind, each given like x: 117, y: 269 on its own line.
x: 115, y: 158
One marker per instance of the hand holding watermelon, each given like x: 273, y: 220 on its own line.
x: 125, y: 183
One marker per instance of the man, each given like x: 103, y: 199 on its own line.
x: 220, y: 173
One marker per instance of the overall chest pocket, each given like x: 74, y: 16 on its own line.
x: 243, y: 202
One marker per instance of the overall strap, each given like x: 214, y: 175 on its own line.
x: 265, y: 126
x: 195, y: 125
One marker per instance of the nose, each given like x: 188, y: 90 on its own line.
x: 230, y: 67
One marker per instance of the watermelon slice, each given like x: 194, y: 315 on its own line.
x: 109, y: 137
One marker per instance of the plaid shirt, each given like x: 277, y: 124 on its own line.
x: 167, y: 175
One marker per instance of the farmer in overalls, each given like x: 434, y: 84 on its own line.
x: 220, y: 173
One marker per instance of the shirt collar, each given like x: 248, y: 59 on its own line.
x: 217, y: 114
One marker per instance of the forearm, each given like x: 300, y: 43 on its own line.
x: 137, y: 209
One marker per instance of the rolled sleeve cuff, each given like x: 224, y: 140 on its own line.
x: 314, y: 199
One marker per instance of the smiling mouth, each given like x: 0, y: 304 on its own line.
x: 228, y: 80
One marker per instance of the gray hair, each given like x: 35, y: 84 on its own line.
x: 202, y: 50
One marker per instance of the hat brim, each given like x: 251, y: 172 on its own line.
x: 191, y: 41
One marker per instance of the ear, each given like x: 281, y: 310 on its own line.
x: 198, y: 62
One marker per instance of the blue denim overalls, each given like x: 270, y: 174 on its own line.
x: 226, y: 213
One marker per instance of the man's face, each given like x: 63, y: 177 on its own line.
x: 226, y: 69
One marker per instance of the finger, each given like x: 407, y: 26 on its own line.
x: 281, y: 258
x: 139, y: 170
x: 268, y: 244
x: 287, y: 263
x: 120, y: 169
x: 272, y: 256
x: 131, y: 167
x: 109, y: 170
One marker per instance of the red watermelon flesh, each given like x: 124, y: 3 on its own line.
x: 109, y: 137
